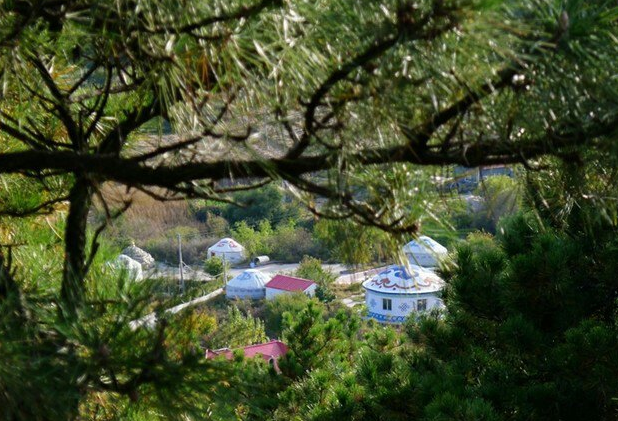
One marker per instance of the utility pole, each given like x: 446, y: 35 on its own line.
x: 180, y: 264
x: 224, y: 271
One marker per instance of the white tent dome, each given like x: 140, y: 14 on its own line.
x: 132, y: 267
x: 401, y: 280
x: 424, y: 251
x: 396, y: 292
x: 228, y: 249
x: 226, y: 245
x: 249, y: 284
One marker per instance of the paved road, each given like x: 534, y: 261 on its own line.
x: 345, y: 275
x: 287, y: 268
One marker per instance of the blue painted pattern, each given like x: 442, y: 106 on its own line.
x: 386, y: 319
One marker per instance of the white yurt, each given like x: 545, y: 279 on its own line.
x: 132, y: 267
x: 424, y: 251
x: 227, y: 249
x: 396, y: 292
x: 249, y: 284
x: 142, y: 257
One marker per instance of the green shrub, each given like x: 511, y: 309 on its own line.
x: 215, y: 266
x: 311, y: 268
x: 274, y: 309
x: 290, y: 243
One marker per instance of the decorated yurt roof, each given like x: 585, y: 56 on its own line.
x: 425, y: 245
x: 226, y: 245
x: 249, y: 279
x: 401, y: 280
x: 139, y: 255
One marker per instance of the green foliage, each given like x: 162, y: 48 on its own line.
x: 530, y: 320
x: 286, y: 243
x: 275, y: 308
x: 257, y: 242
x: 311, y: 340
x: 351, y: 243
x: 311, y: 268
x: 236, y: 330
x: 496, y: 197
x: 249, y: 392
x: 215, y: 266
x: 518, y: 306
x: 263, y: 204
x: 530, y: 331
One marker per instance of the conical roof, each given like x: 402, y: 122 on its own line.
x: 139, y: 255
x: 425, y: 251
x: 248, y: 280
x: 226, y: 245
x: 399, y: 280
x: 426, y: 245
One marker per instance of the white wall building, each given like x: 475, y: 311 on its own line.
x: 251, y: 284
x: 227, y: 249
x: 396, y: 292
x: 424, y: 251
x: 283, y: 284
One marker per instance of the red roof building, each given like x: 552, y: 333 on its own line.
x: 283, y: 283
x: 270, y: 352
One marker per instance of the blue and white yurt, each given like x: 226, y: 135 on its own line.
x: 424, y: 251
x: 250, y: 284
x: 396, y: 292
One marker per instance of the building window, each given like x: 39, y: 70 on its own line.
x: 387, y: 304
x: 421, y: 305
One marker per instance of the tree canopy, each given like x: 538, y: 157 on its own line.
x: 339, y: 99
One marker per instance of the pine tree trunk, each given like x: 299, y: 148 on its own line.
x: 72, y: 293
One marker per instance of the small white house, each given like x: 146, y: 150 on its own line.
x: 132, y: 268
x: 251, y: 284
x: 424, y: 251
x: 396, y: 292
x: 283, y: 284
x: 227, y: 249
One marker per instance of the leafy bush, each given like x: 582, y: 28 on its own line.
x: 164, y: 248
x: 274, y: 309
x: 257, y: 242
x: 351, y: 243
x: 290, y: 243
x: 496, y: 197
x: 287, y: 242
x: 236, y: 330
x: 311, y: 268
x: 266, y: 203
x: 215, y: 266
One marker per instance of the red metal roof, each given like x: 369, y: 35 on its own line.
x: 289, y: 283
x: 269, y: 351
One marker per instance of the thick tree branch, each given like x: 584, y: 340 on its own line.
x: 126, y: 171
x: 375, y: 50
x: 241, y: 13
x: 61, y: 103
